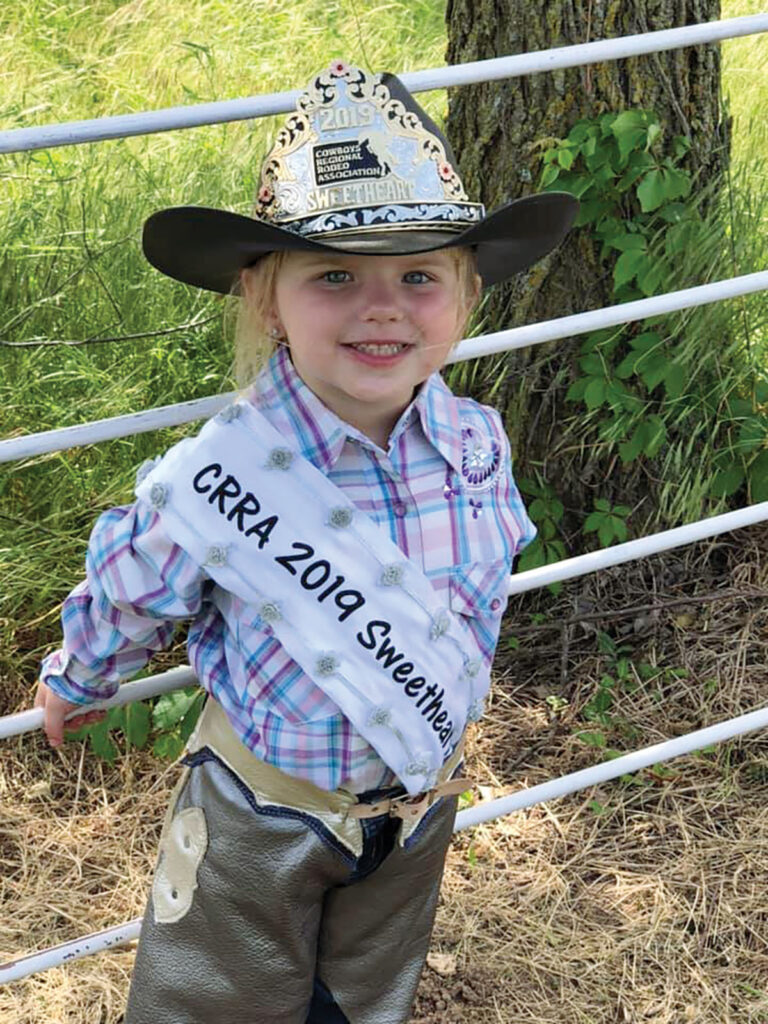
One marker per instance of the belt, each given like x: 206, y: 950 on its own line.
x: 409, y: 807
x: 339, y: 810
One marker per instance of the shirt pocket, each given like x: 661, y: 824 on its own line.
x: 479, y: 590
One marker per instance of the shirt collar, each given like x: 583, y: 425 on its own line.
x: 323, y: 433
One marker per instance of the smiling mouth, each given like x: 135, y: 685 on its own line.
x: 380, y: 348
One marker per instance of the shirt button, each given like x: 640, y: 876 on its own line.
x: 495, y: 604
x: 400, y: 509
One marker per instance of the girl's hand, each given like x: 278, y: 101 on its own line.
x: 56, y: 709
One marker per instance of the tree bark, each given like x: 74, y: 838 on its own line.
x: 500, y: 130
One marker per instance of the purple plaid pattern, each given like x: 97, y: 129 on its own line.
x: 139, y: 584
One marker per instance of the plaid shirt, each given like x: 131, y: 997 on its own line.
x: 444, y: 491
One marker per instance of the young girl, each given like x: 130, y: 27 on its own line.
x: 341, y: 540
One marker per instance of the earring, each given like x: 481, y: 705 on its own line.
x: 274, y: 332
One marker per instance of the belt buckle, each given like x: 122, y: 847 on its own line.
x: 406, y: 807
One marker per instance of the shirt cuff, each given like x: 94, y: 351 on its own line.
x: 58, y: 673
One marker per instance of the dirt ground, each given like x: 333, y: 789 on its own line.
x: 642, y: 900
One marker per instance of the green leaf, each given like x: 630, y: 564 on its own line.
x: 593, y: 365
x: 628, y: 365
x: 638, y: 163
x: 619, y: 528
x: 171, y: 707
x: 654, y: 131
x: 630, y: 131
x: 605, y: 533
x: 191, y: 717
x: 673, y: 213
x: 654, y: 369
x: 533, y: 556
x: 594, y: 394
x: 650, y: 191
x: 674, y: 382
x: 727, y: 481
x: 592, y: 739
x: 593, y: 522
x: 758, y: 478
x: 580, y: 132
x: 629, y: 450
x: 628, y: 242
x: 591, y: 210
x: 602, y: 505
x: 138, y: 716
x: 646, y: 341
x: 169, y: 746
x: 654, y: 435
x: 576, y: 390
x: 627, y: 266
x: 752, y: 434
x: 565, y: 157
x: 100, y: 742
x: 650, y: 278
x: 548, y: 175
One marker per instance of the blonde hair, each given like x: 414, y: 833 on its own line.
x: 253, y: 342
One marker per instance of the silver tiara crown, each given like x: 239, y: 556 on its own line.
x: 352, y: 159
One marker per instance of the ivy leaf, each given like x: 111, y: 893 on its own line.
x: 627, y: 242
x: 591, y: 209
x: 619, y: 528
x: 169, y: 746
x: 138, y: 716
x: 655, y: 368
x: 576, y: 390
x: 594, y: 394
x: 605, y: 532
x: 727, y: 481
x: 592, y: 522
x: 752, y: 434
x: 172, y: 707
x: 646, y: 341
x: 650, y: 191
x: 661, y: 184
x: 191, y: 717
x: 627, y: 266
x: 672, y: 213
x: 581, y: 131
x: 629, y: 450
x: 547, y: 529
x: 533, y: 557
x: 549, y: 174
x: 628, y: 365
x: 654, y: 131
x: 101, y: 744
x: 674, y: 382
x: 593, y: 365
x: 630, y: 130
x: 649, y: 279
x: 638, y: 163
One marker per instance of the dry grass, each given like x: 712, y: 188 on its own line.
x: 636, y: 902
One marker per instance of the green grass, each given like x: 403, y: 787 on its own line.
x: 70, y: 222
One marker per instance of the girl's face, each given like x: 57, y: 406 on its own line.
x: 365, y: 331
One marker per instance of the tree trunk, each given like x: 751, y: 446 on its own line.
x: 500, y: 130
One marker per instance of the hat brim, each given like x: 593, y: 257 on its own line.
x: 208, y: 248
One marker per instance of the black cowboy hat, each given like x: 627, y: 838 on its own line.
x: 359, y: 168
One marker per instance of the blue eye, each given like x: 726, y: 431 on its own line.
x: 416, y: 277
x: 336, y: 276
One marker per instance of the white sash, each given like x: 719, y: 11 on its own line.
x: 359, y: 617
